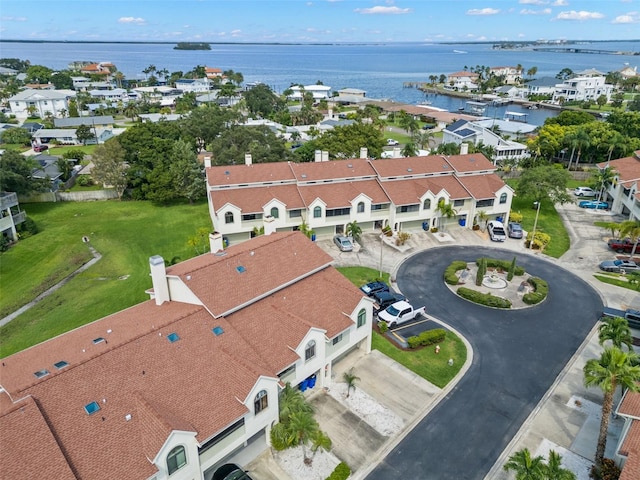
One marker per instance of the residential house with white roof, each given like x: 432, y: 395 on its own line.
x: 40, y: 102
x: 583, y: 88
x: 402, y: 193
x: 624, y: 193
x: 193, y: 85
x: 174, y: 387
x: 542, y: 86
x: 319, y: 92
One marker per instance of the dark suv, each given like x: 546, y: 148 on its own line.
x: 374, y: 287
x: 385, y: 298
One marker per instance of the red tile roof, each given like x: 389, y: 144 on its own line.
x: 631, y: 448
x: 627, y: 169
x: 254, y: 199
x: 473, y: 162
x: 333, y: 170
x: 247, y: 174
x: 482, y: 187
x: 408, y: 192
x: 341, y: 194
x: 412, y: 166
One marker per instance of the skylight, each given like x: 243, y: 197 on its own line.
x: 98, y: 340
x: 173, y: 337
x: 218, y: 331
x: 91, y: 408
x: 41, y: 373
x: 61, y: 364
x: 241, y: 269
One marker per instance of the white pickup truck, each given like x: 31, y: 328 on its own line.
x: 398, y: 313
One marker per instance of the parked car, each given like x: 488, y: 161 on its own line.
x: 584, y: 192
x: 594, y: 204
x: 231, y: 471
x: 392, y: 143
x: 496, y: 231
x: 385, y: 298
x: 624, y: 245
x: 40, y: 148
x: 372, y: 288
x: 514, y: 230
x: 343, y: 243
x: 619, y: 265
x: 400, y: 312
x: 630, y: 315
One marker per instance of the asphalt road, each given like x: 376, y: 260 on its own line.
x: 517, y: 356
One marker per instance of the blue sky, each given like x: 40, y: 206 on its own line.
x: 320, y: 20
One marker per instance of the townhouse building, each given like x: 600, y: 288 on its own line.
x: 402, y: 193
x: 624, y: 193
x: 174, y: 387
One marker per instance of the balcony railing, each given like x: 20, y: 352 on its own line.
x: 19, y: 218
x: 8, y: 200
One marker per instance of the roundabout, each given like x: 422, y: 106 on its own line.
x: 517, y: 355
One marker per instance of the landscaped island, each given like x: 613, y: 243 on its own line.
x: 192, y: 46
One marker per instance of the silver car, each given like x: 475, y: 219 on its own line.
x: 619, y: 266
x: 343, y: 243
x: 496, y: 231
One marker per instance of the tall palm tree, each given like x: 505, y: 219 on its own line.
x: 583, y: 141
x: 354, y: 230
x: 553, y: 469
x: 290, y: 401
x: 631, y: 229
x: 617, y: 331
x: 613, y: 368
x: 602, y: 179
x: 302, y: 428
x: 131, y: 110
x: 525, y: 467
x: 445, y: 210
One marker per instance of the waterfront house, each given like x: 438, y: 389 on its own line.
x: 113, y: 95
x: 402, y: 193
x: 542, y: 86
x: 583, y: 88
x: 511, y: 75
x: 212, y: 73
x: 319, y: 92
x: 628, y: 72
x: 103, y: 69
x: 624, y: 193
x: 10, y: 215
x: 462, y: 81
x: 40, y: 102
x: 176, y: 386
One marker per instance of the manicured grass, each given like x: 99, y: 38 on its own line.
x: 549, y: 222
x: 14, y: 146
x: 58, y: 151
x: 125, y: 233
x: 424, y: 362
x: 615, y: 279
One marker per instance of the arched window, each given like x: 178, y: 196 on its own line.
x: 426, y: 205
x: 261, y: 402
x: 310, y: 350
x: 317, y: 212
x: 275, y: 213
x: 503, y: 198
x: 361, y: 207
x: 228, y: 217
x: 362, y: 317
x: 176, y: 459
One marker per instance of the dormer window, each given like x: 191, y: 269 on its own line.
x: 275, y: 212
x: 176, y: 459
x: 310, y: 350
x: 261, y: 401
x: 228, y: 217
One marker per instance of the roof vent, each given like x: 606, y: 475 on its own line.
x: 41, y: 373
x: 173, y: 337
x: 227, y: 172
x: 127, y: 417
x: 91, y: 408
x: 409, y: 170
x: 217, y: 331
x: 304, y: 175
x: 241, y: 269
x: 61, y: 364
x: 349, y: 165
x: 98, y: 340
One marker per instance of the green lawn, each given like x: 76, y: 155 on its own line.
x: 617, y: 280
x: 87, y: 149
x: 125, y: 233
x: 424, y: 362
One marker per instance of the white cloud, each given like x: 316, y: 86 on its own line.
x: 533, y: 2
x: 379, y: 10
x: 528, y: 11
x: 134, y: 20
x: 236, y: 33
x: 581, y: 15
x: 560, y: 3
x: 13, y: 19
x: 631, y: 17
x: 483, y: 11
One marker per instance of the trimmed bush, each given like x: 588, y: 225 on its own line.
x: 428, y: 337
x: 502, y: 265
x: 450, y: 276
x: 383, y: 326
x: 484, y: 298
x: 482, y: 269
x: 341, y: 472
x: 541, y: 289
x: 512, y: 269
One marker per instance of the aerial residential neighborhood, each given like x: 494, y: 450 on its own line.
x: 208, y: 274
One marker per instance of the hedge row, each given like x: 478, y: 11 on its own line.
x: 484, y: 298
x: 450, y: 273
x: 341, y: 472
x: 428, y: 337
x: 541, y: 289
x: 504, y: 265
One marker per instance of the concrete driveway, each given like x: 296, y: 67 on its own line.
x: 517, y: 356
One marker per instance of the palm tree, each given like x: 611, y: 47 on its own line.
x: 302, y: 428
x: 131, y: 110
x: 350, y: 379
x: 616, y: 330
x: 603, y: 178
x: 631, y: 228
x: 525, y: 467
x: 354, y: 230
x: 290, y: 401
x: 613, y: 368
x: 583, y: 140
x: 320, y: 442
x: 553, y: 469
x: 445, y: 210
x: 409, y: 150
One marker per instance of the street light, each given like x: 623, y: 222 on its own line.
x: 535, y: 224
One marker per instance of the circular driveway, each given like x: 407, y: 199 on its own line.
x: 517, y: 356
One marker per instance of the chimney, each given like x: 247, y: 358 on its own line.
x: 396, y: 152
x: 464, y: 148
x: 159, y: 279
x: 215, y: 242
x: 247, y: 159
x: 364, y: 153
x: 317, y: 156
x: 207, y: 162
x: 325, y: 156
x: 269, y: 225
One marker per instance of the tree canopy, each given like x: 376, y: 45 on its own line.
x: 545, y: 182
x: 260, y: 141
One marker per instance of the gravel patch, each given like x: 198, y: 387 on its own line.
x: 571, y: 461
x: 379, y: 417
x: 292, y: 462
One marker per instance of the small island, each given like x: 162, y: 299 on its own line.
x: 192, y: 46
